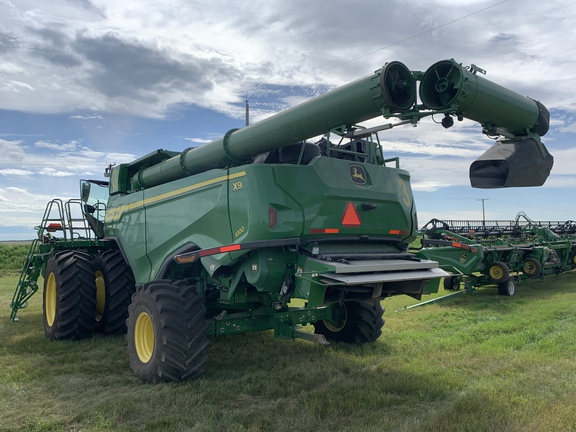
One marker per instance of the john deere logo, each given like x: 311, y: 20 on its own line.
x: 357, y: 174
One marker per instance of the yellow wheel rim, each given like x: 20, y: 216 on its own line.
x: 144, y: 337
x: 496, y: 272
x: 50, y: 300
x: 529, y: 267
x: 340, y: 323
x: 100, y: 294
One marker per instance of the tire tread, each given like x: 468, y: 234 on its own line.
x: 181, y: 332
x: 75, y: 295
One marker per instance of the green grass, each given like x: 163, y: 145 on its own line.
x: 476, y: 362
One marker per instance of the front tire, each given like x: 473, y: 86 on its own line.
x: 69, y: 298
x: 451, y: 283
x: 507, y: 288
x: 167, y: 329
x: 355, y: 322
x: 114, y: 288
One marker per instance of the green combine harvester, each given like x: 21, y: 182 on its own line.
x: 221, y: 239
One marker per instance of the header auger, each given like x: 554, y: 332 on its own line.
x: 220, y: 239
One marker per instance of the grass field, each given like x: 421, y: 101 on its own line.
x: 476, y: 362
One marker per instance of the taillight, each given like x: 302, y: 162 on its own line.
x: 272, y: 217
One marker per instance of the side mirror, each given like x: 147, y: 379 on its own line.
x: 85, y: 191
x: 519, y: 163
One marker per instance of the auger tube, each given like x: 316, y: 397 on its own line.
x: 450, y: 87
x: 347, y: 105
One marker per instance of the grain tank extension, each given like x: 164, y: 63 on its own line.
x: 295, y: 220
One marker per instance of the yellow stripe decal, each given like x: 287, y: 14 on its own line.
x: 116, y: 213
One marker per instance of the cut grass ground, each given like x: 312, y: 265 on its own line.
x: 476, y: 362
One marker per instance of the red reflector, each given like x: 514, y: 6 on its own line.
x: 457, y: 245
x: 217, y: 250
x: 273, y: 217
x: 324, y: 231
x: 350, y: 218
x: 230, y: 248
x: 398, y: 232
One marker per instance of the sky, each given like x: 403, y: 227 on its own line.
x: 88, y: 83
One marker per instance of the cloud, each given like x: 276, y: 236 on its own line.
x: 564, y: 162
x: 8, y: 42
x: 129, y: 68
x: 69, y: 146
x: 20, y: 207
x: 54, y: 173
x: 15, y: 172
x: 428, y: 186
x: 118, y: 157
x: 11, y: 150
x: 49, y: 158
x: 87, y: 117
x: 198, y: 140
x: 571, y: 128
x: 16, y: 86
x: 142, y: 58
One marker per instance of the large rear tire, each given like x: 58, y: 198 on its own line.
x: 114, y: 290
x: 355, y: 322
x: 167, y: 329
x: 69, y: 299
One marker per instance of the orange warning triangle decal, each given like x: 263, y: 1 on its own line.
x: 350, y: 218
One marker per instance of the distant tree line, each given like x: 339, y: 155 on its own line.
x: 12, y: 256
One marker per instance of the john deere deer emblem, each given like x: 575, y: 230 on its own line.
x: 357, y: 174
